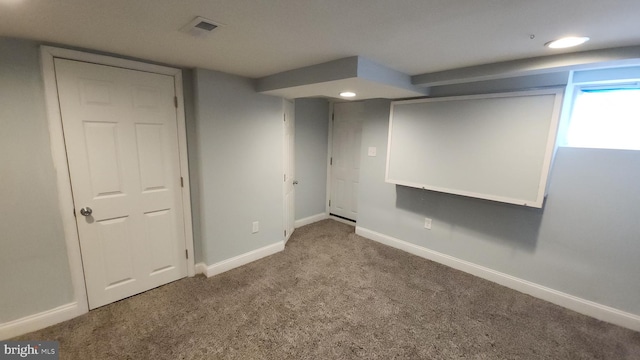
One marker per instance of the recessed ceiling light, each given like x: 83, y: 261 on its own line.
x: 347, y: 94
x: 566, y: 42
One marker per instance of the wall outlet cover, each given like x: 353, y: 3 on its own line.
x: 427, y: 223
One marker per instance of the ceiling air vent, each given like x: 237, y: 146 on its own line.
x: 200, y: 26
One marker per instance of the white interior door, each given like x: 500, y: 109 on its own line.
x: 289, y: 169
x: 345, y: 159
x: 120, y: 130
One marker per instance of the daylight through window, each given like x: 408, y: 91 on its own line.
x: 606, y: 118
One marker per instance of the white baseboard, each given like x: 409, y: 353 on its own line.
x: 310, y: 220
x: 201, y: 268
x: 237, y: 261
x: 69, y: 311
x: 586, y: 307
x: 39, y: 321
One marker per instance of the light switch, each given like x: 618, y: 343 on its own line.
x: 372, y: 151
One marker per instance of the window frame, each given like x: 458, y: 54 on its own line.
x: 593, y: 79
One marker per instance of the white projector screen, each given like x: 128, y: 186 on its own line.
x: 496, y: 147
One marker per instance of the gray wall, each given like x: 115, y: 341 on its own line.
x: 312, y: 133
x: 34, y: 270
x: 240, y: 162
x: 584, y: 242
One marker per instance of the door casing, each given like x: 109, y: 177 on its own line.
x: 289, y: 189
x: 80, y: 305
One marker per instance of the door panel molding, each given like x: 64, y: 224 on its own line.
x: 58, y: 151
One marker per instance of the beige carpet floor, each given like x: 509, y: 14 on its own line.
x: 334, y: 295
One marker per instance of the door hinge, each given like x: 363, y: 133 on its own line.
x: 333, y: 117
x: 285, y: 177
x: 329, y: 202
x: 285, y: 117
x: 330, y: 161
x: 285, y: 233
x: 181, y: 181
x: 186, y: 253
x: 175, y: 101
x: 74, y: 212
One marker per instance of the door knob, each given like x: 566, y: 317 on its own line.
x: 86, y: 211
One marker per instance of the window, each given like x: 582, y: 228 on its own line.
x: 606, y: 118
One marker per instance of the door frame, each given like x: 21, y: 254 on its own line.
x: 61, y: 165
x: 288, y: 157
x: 330, y: 165
x: 327, y: 208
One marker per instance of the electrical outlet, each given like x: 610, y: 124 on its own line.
x: 427, y: 223
x: 256, y: 227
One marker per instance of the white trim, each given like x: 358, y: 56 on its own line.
x: 63, y: 181
x: 184, y: 173
x: 327, y: 208
x: 288, y: 158
x: 201, y: 268
x: 40, y: 320
x: 586, y: 307
x: 108, y: 60
x: 311, y: 219
x: 58, y: 151
x: 243, y: 259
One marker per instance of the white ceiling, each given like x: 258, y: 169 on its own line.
x: 261, y: 38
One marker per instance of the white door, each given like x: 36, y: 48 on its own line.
x: 120, y: 130
x: 345, y: 159
x: 289, y: 169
